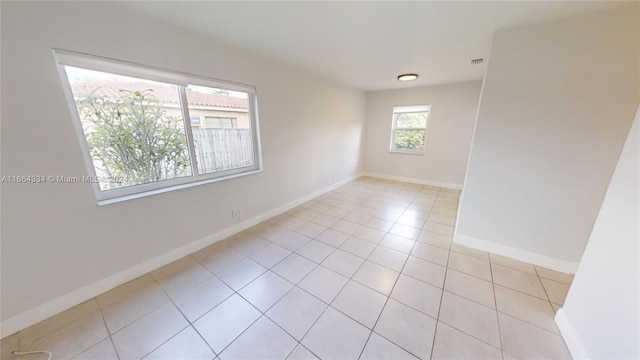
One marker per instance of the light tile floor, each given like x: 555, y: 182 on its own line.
x: 366, y: 271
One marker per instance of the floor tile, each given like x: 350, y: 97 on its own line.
x: 346, y: 227
x: 316, y: 251
x: 270, y: 255
x: 292, y: 241
x: 266, y: 290
x: 379, y: 224
x: 556, y: 291
x: 220, y: 326
x: 72, y: 339
x: 418, y: 295
x: 390, y: 258
x: 472, y: 318
x: 272, y: 232
x: 304, y: 213
x: 369, y: 234
x: 310, y: 229
x: 431, y: 253
x: 301, y: 353
x: 360, y: 303
x: 129, y: 302
x: 442, y: 219
x: 387, y: 215
x: 202, y: 298
x: 180, y: 276
x: 187, y: 345
x: 410, y: 221
x: 526, y: 307
x: 470, y: 287
x: 326, y: 220
x: 407, y: 328
x: 56, y: 322
x: 332, y: 237
x: 518, y: 280
x: 338, y: 212
x: 248, y: 243
x: 470, y: 265
x: 432, y: 238
x: 366, y: 210
x: 9, y: 344
x: 512, y: 263
x: 358, y: 218
x: 444, y: 210
x: 358, y: 247
x: 454, y: 344
x: 103, y: 350
x: 263, y: 340
x: 336, y: 336
x: 294, y: 268
x: 239, y: 275
x: 527, y: 341
x: 397, y: 243
x: 416, y: 214
x: 405, y: 231
x: 291, y: 222
x: 425, y: 271
x: 438, y: 228
x: 323, y: 283
x: 218, y: 258
x: 143, y: 336
x: 554, y: 275
x: 465, y: 250
x: 379, y: 348
x: 296, y: 312
x: 377, y: 277
x: 343, y: 263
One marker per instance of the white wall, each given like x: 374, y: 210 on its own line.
x: 556, y: 105
x: 453, y: 110
x: 600, y: 318
x: 55, y: 239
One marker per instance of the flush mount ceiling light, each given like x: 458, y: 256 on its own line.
x: 407, y: 77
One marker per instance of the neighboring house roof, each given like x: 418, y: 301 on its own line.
x: 164, y: 94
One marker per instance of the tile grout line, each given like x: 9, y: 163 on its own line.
x: 389, y: 297
x: 444, y: 281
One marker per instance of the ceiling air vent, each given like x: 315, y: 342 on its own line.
x: 477, y: 61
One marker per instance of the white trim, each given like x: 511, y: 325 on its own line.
x: 570, y: 336
x: 55, y: 306
x: 414, y: 180
x: 567, y: 267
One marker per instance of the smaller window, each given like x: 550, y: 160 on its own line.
x: 195, y: 120
x: 409, y: 128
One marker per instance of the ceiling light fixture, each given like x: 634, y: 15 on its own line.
x: 407, y: 77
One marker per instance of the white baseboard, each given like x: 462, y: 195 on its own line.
x: 570, y: 336
x: 567, y: 267
x: 415, y: 180
x: 24, y: 320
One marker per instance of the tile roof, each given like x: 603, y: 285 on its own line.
x: 164, y: 94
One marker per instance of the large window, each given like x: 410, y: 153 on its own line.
x: 409, y: 128
x: 141, y: 128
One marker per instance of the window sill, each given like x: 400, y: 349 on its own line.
x: 173, y: 188
x: 409, y: 152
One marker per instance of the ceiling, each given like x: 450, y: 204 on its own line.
x: 365, y: 44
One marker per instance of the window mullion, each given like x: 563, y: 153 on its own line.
x: 187, y: 122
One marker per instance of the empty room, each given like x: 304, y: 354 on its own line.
x: 320, y: 180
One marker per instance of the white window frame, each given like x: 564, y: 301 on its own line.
x: 68, y: 58
x: 409, y: 109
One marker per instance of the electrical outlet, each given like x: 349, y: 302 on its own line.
x: 236, y: 213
